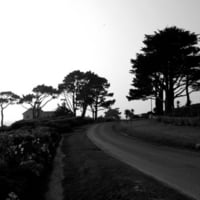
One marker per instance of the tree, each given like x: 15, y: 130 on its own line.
x: 98, y: 97
x: 113, y: 114
x: 85, y: 95
x: 70, y: 87
x: 7, y: 98
x: 62, y: 110
x: 40, y: 97
x: 196, y: 85
x: 172, y: 60
x: 147, y: 81
x: 129, y: 114
x: 82, y: 90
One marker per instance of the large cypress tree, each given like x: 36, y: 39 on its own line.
x: 170, y: 61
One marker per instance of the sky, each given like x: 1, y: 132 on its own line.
x: 42, y: 41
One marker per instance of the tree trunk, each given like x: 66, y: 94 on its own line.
x: 169, y: 103
x: 93, y: 115
x: 2, y: 116
x: 84, y: 111
x: 188, y: 101
x: 34, y: 113
x: 38, y: 110
x: 159, y: 103
x: 74, y: 105
x: 96, y: 112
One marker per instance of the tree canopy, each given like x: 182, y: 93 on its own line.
x: 86, y: 89
x: 41, y: 95
x: 99, y: 97
x: 7, y: 98
x: 166, y: 67
x: 70, y: 87
x: 113, y: 113
x: 129, y: 114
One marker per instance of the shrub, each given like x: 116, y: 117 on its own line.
x: 27, y: 149
x: 26, y: 154
x: 180, y: 121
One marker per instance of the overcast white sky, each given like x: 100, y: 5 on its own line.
x: 41, y: 41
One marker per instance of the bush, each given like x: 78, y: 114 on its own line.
x: 187, y: 111
x: 180, y: 121
x: 27, y: 149
x: 26, y: 154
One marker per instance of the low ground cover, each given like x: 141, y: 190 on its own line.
x: 187, y: 111
x: 162, y: 133
x: 180, y: 121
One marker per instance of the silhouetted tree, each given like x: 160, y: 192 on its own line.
x: 129, y: 114
x: 168, y: 63
x: 82, y: 90
x: 113, y: 113
x: 98, y: 97
x: 7, y: 98
x: 62, y: 110
x: 70, y: 87
x: 85, y: 95
x: 146, y: 81
x: 41, y: 95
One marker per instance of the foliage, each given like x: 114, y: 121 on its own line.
x: 82, y: 90
x: 70, y: 88
x: 41, y: 95
x: 180, y: 121
x: 113, y: 114
x: 62, y: 110
x: 129, y: 114
x: 98, y: 93
x: 169, y: 63
x: 7, y: 98
x: 27, y: 149
x: 26, y: 155
x: 187, y: 111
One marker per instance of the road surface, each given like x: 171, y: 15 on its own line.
x: 179, y: 169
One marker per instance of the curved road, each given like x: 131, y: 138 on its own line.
x: 179, y: 169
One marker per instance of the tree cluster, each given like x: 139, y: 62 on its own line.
x: 113, y: 114
x: 167, y: 67
x: 129, y: 114
x: 83, y: 90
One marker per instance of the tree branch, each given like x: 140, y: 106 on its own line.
x: 24, y: 107
x: 4, y: 107
x: 46, y: 102
x: 179, y: 94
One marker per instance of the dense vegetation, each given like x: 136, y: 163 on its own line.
x: 27, y: 149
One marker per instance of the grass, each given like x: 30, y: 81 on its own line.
x: 161, y: 133
x: 90, y: 174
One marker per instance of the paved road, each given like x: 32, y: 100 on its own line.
x: 179, y: 169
